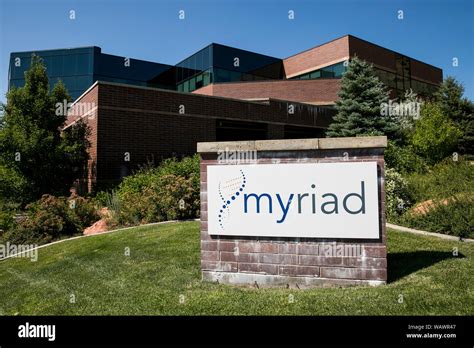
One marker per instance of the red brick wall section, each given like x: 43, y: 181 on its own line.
x: 386, y: 58
x: 146, y: 124
x: 326, y: 54
x: 375, y: 54
x: 300, y: 257
x: 318, y: 92
x: 426, y: 72
x: 86, y: 108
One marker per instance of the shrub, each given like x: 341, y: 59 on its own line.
x: 168, y: 192
x: 188, y: 167
x: 448, y: 190
x: 51, y: 218
x: 398, y: 197
x: 6, y: 220
x: 454, y: 217
x: 168, y: 197
x: 13, y: 186
x: 7, y: 212
x: 100, y: 198
x: 435, y: 136
x: 444, y: 180
x: 141, y: 207
x: 404, y: 159
x: 179, y: 197
x: 85, y: 211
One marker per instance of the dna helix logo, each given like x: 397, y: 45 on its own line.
x: 229, y: 190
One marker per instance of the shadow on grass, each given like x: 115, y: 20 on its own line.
x: 403, y: 264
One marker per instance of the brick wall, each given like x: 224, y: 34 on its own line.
x: 317, y: 92
x: 299, y: 261
x: 146, y: 124
x: 425, y: 72
x: 85, y: 108
x: 348, y: 46
x: 385, y: 58
x: 329, y: 53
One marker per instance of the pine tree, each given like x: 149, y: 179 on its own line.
x: 359, y: 106
x: 459, y: 109
x: 31, y: 143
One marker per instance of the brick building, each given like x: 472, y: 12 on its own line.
x: 134, y: 125
x: 144, y: 111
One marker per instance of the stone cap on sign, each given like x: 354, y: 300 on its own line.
x: 295, y: 144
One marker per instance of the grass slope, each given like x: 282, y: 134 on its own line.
x: 163, y: 266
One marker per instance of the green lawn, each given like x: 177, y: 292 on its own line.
x: 163, y: 268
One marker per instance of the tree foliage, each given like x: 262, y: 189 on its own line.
x: 31, y: 142
x: 460, y: 110
x: 359, y: 106
x: 435, y: 136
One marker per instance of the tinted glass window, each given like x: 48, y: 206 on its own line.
x: 69, y: 64
x: 83, y: 64
x: 338, y: 69
x: 249, y: 62
x: 207, y: 78
x: 83, y: 82
x: 326, y: 74
x: 192, y: 84
x: 57, y: 68
x: 315, y: 75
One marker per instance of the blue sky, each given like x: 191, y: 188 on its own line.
x: 432, y: 31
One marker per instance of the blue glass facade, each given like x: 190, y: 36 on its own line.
x: 219, y: 63
x: 75, y: 67
x: 79, y: 68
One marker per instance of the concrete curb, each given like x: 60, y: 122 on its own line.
x: 425, y: 233
x: 94, y: 235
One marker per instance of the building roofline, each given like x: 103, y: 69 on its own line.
x: 57, y: 49
x: 369, y: 42
x: 140, y: 60
x: 227, y: 46
x: 311, y: 48
x: 202, y: 49
x: 99, y: 82
x: 241, y: 49
x: 190, y: 93
x: 85, y: 92
x: 257, y: 102
x: 388, y: 49
x: 100, y: 51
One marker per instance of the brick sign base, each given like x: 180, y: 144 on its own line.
x: 302, y: 262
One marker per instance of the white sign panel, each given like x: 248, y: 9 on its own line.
x: 315, y: 200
